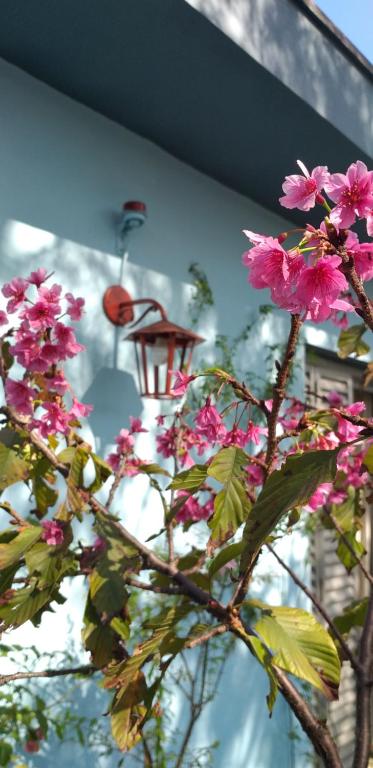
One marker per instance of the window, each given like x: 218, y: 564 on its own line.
x: 333, y: 586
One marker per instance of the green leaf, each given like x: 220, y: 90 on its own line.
x: 288, y: 487
x: 107, y: 589
x: 229, y: 553
x: 98, y: 638
x: 153, y: 469
x: 75, y: 479
x: 122, y: 674
x: 352, y: 616
x: 10, y: 437
x: 44, y: 495
x: 231, y: 504
x: 121, y: 627
x: 127, y: 714
x: 262, y: 654
x: 368, y: 460
x: 350, y: 341
x: 49, y: 564
x: 345, y: 555
x: 6, y: 753
x: 12, y: 467
x: 103, y: 472
x: 13, y: 551
x: 190, y: 480
x: 23, y: 606
x: 301, y: 646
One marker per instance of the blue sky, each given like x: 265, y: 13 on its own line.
x: 355, y: 19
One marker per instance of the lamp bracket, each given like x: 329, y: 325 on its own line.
x: 118, y: 306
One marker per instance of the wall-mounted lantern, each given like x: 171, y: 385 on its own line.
x: 160, y: 347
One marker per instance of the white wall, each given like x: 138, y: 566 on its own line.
x: 64, y: 172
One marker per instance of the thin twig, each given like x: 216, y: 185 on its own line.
x: 357, y: 284
x: 364, y: 692
x: 153, y: 587
x: 348, y: 546
x: 86, y: 669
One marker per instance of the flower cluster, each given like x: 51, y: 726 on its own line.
x: 123, y: 460
x: 40, y: 343
x: 192, y: 510
x: 308, y: 279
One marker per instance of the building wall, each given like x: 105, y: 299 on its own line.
x: 281, y: 37
x: 64, y: 172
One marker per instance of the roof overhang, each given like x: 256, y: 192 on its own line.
x: 165, y: 71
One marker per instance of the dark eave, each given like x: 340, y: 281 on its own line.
x: 163, y: 70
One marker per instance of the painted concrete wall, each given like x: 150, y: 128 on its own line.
x: 64, y: 173
x: 278, y: 35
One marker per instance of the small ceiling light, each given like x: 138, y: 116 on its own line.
x: 160, y: 347
x: 134, y: 215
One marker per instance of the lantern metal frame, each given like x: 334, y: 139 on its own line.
x: 119, y: 308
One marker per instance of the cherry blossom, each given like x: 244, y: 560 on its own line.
x: 181, y: 383
x: 52, y: 533
x: 209, y: 423
x: 19, y: 395
x: 353, y: 193
x: 75, y: 309
x: 302, y: 192
x: 15, y: 291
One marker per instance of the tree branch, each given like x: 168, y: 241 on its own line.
x: 279, y: 392
x: 85, y: 669
x: 316, y: 730
x: 364, y: 692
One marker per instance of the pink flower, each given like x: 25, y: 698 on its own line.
x: 236, y: 436
x: 26, y: 349
x: 57, y: 383
x: 20, y: 395
x: 209, y: 423
x: 334, y: 399
x: 319, y: 288
x: 181, y: 383
x: 346, y: 431
x: 254, y: 432
x: 320, y: 497
x: 255, y: 474
x: 370, y: 223
x: 42, y: 314
x: 38, y: 277
x: 113, y: 460
x: 352, y: 192
x: 32, y: 745
x: 52, y: 533
x: 99, y: 545
x: 302, y: 191
x: 3, y: 318
x: 267, y: 261
x: 54, y: 420
x: 69, y: 347
x: 192, y: 510
x: 79, y: 410
x: 75, y: 309
x: 355, y: 408
x: 50, y: 295
x: 15, y: 291
x: 124, y: 441
x: 136, y: 425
